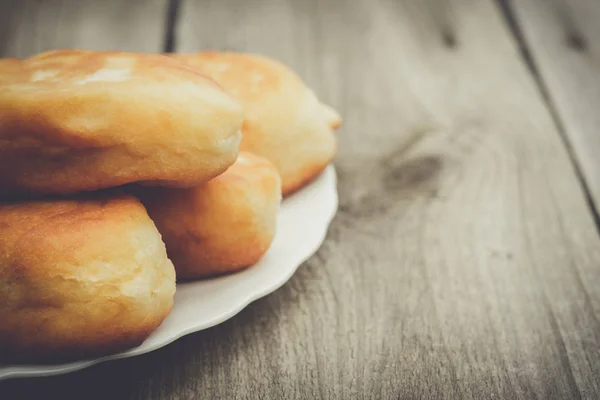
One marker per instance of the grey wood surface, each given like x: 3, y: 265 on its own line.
x: 31, y: 26
x: 464, y: 260
x: 563, y: 38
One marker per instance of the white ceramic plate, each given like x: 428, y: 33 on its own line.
x: 301, y: 227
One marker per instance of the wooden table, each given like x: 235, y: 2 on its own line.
x: 464, y: 261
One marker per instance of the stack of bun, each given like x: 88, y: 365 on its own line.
x: 122, y: 173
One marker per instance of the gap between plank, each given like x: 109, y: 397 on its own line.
x: 172, y: 18
x: 513, y: 24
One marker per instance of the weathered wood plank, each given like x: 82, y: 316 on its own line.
x: 28, y: 26
x: 563, y: 38
x: 463, y: 261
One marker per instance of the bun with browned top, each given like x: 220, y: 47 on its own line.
x: 223, y: 226
x: 82, y: 277
x: 284, y: 120
x: 76, y: 120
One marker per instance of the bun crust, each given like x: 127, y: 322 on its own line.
x: 75, y: 120
x: 80, y: 278
x: 284, y: 120
x: 223, y: 226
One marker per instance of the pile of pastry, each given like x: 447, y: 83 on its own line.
x: 122, y: 173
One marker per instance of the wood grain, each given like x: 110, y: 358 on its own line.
x: 29, y: 26
x: 463, y: 261
x: 563, y: 38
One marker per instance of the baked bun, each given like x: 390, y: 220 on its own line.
x: 284, y: 120
x: 223, y: 226
x: 75, y: 120
x: 79, y: 278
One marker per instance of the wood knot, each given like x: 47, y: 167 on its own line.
x: 576, y: 41
x: 412, y: 173
x: 449, y: 39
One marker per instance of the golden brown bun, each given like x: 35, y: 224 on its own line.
x: 75, y: 120
x: 284, y: 121
x: 80, y: 278
x: 223, y: 226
